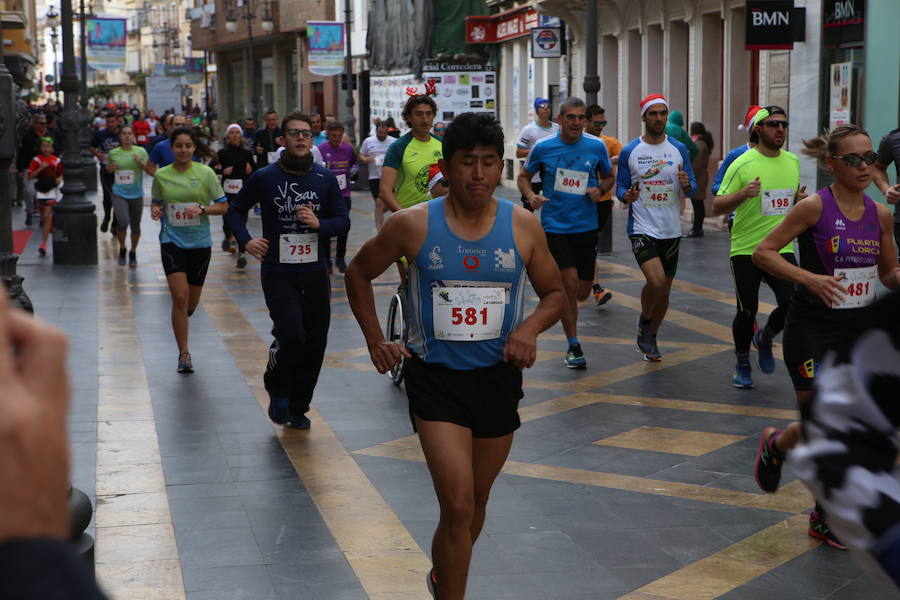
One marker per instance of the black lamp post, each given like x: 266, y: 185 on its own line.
x: 350, y: 118
x: 53, y: 24
x: 74, y: 221
x: 267, y: 26
x: 89, y: 166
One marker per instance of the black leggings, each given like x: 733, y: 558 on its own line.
x: 341, y: 250
x: 699, y: 213
x: 106, y: 182
x: 747, y: 278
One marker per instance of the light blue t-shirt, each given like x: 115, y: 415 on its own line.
x: 568, y: 170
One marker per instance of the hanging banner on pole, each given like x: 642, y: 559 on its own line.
x: 326, y: 47
x: 105, y: 43
x: 194, y: 69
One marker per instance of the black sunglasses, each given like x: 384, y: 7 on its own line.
x: 775, y: 124
x: 854, y: 160
x: 599, y: 123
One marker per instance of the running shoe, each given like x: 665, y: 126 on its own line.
x: 232, y: 247
x: 42, y: 251
x: 340, y: 264
x: 601, y: 295
x: 121, y: 257
x: 132, y: 259
x: 241, y: 260
x: 693, y: 233
x: 820, y: 530
x: 432, y: 585
x: 302, y: 422
x: 575, y: 357
x: 764, y: 353
x: 644, y: 336
x: 767, y: 468
x: 742, y: 377
x: 279, y: 409
x: 225, y: 245
x: 654, y: 355
x: 104, y: 226
x: 184, y: 363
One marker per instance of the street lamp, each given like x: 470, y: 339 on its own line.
x: 53, y: 24
x: 231, y: 27
x: 74, y: 221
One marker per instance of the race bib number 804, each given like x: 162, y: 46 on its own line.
x: 467, y: 314
x: 571, y: 182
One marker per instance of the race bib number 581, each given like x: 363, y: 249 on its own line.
x: 467, y: 314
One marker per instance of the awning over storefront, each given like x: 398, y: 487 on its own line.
x: 507, y: 25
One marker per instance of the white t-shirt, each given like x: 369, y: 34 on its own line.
x: 531, y: 134
x: 317, y: 156
x: 376, y: 149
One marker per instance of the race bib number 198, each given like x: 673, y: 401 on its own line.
x: 466, y: 314
x: 571, y: 182
x: 777, y: 202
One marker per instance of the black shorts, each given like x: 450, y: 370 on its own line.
x: 373, y: 187
x: 193, y: 262
x: 483, y: 400
x: 808, y: 336
x: 577, y: 250
x: 646, y: 247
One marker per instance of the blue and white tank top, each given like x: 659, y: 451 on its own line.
x: 465, y: 296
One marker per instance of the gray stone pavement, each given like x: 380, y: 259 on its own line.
x: 627, y: 480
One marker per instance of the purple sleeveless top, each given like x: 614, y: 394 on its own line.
x: 836, y: 242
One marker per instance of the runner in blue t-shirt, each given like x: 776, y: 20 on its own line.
x: 576, y: 174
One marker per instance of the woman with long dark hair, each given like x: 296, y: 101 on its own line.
x: 704, y: 141
x: 184, y: 194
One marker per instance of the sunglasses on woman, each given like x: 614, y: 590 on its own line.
x: 854, y: 160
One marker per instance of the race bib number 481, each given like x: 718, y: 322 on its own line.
x: 467, y: 314
x: 860, y: 284
x: 571, y: 182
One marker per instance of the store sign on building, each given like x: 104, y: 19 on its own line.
x: 490, y: 29
x: 844, y: 22
x: 769, y: 24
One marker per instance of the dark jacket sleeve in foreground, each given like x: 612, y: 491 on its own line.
x: 45, y: 569
x: 238, y: 209
x: 334, y: 218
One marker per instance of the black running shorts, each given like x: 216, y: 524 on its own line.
x: 808, y: 336
x: 193, y: 262
x: 646, y: 248
x: 577, y: 250
x: 483, y: 400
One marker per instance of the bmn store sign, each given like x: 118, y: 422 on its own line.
x: 774, y: 24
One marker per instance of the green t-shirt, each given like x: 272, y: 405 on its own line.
x: 174, y: 189
x: 128, y: 179
x: 779, y: 179
x: 412, y: 158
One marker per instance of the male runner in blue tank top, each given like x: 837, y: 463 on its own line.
x: 468, y: 255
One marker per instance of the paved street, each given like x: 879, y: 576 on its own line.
x: 628, y: 480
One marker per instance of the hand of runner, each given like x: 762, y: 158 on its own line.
x: 538, y: 201
x: 193, y: 211
x: 521, y: 349
x: 258, y: 247
x: 801, y: 193
x: 633, y: 194
x: 156, y: 211
x: 684, y: 182
x: 752, y: 189
x: 34, y: 399
x: 306, y: 216
x: 893, y: 194
x: 826, y: 287
x: 386, y: 354
x: 595, y: 194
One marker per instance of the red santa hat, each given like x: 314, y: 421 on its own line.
x: 652, y: 99
x: 750, y: 117
x: 434, y: 175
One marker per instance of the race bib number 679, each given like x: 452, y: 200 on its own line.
x: 467, y: 314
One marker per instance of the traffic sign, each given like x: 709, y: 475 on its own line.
x: 49, y: 78
x: 49, y: 88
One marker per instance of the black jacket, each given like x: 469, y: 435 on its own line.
x: 45, y: 569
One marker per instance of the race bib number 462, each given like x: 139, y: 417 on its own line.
x: 658, y: 195
x: 860, y: 284
x: 297, y: 248
x: 467, y: 314
x: 179, y: 217
x: 571, y: 182
x: 777, y: 202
